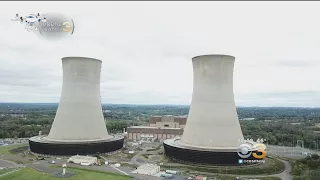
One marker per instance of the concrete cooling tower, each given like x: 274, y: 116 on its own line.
x: 212, y: 132
x: 78, y: 127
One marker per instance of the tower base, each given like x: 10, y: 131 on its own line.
x: 40, y: 145
x: 186, y: 154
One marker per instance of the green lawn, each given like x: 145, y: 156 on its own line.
x: 3, y: 171
x: 6, y: 149
x: 272, y: 166
x: 80, y: 174
x: 226, y: 177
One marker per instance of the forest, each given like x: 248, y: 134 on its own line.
x: 278, y: 125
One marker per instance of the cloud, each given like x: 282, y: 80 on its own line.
x: 146, y: 49
x: 298, y: 63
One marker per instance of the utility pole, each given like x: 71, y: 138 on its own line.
x: 292, y: 145
x: 316, y: 145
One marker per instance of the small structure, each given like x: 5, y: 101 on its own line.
x: 63, y: 174
x: 147, y: 169
x: 200, y: 178
x: 64, y: 169
x: 83, y: 160
x: 171, y: 172
x: 166, y: 175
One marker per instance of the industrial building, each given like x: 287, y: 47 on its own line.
x: 212, y: 132
x: 147, y: 169
x: 78, y: 127
x: 160, y: 127
x: 83, y: 160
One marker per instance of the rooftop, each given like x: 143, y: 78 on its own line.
x: 148, y: 166
x: 150, y: 127
x: 82, y: 157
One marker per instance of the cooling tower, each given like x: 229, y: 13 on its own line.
x: 212, y: 121
x: 80, y: 106
x: 212, y: 131
x: 78, y: 127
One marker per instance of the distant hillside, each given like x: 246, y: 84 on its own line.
x: 131, y: 111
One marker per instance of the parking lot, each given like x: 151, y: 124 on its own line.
x: 289, y: 152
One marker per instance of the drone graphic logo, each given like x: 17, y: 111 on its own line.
x: 32, y: 21
x: 50, y: 25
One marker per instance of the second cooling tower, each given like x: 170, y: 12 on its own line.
x: 78, y: 127
x: 212, y: 131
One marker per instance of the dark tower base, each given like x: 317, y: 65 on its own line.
x: 40, y: 146
x: 185, y: 154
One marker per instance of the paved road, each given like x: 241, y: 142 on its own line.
x: 43, y: 168
x: 134, y: 159
x: 8, y: 164
x: 285, y: 175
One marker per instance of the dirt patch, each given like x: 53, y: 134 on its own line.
x: 19, y: 150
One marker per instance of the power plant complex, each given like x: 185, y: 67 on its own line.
x: 78, y: 127
x: 212, y: 132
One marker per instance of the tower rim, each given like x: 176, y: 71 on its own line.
x: 212, y: 55
x: 79, y: 57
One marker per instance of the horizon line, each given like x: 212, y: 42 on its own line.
x: 242, y: 106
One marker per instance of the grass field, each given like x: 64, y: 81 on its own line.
x: 6, y: 149
x: 272, y: 166
x: 10, y: 152
x: 3, y: 171
x: 80, y: 174
x: 222, y: 177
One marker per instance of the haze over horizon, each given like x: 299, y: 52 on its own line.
x: 146, y: 49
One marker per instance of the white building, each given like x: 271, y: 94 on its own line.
x: 83, y: 160
x: 147, y: 169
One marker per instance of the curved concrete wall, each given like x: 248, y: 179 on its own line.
x: 213, y: 120
x: 79, y: 116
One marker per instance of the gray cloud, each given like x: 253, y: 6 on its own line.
x: 147, y: 53
x: 296, y: 63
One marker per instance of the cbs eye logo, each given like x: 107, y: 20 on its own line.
x: 244, y: 151
x: 67, y: 27
x: 258, y: 151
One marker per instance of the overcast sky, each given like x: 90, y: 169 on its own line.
x: 146, y: 49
